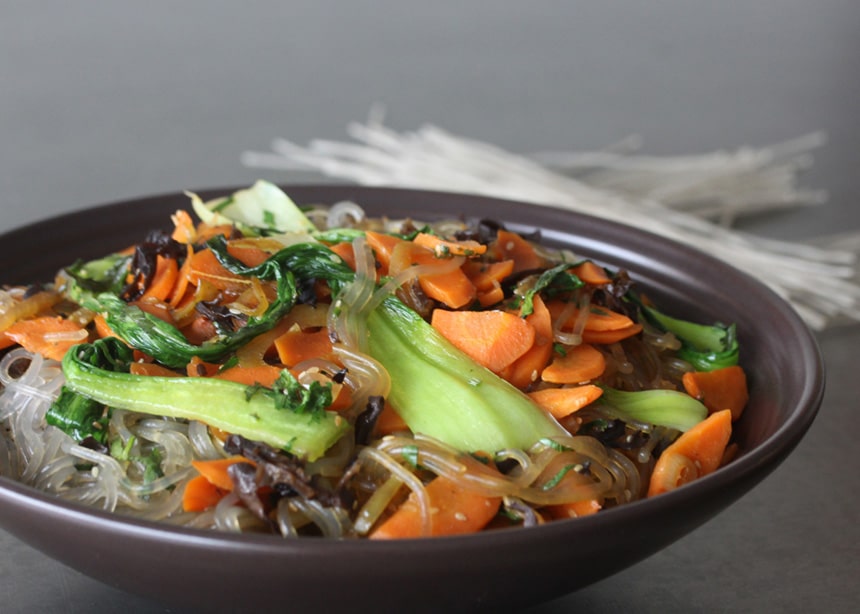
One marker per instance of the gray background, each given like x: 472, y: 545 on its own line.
x: 102, y: 101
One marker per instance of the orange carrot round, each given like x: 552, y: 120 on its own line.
x: 493, y: 338
x: 697, y: 452
x: 724, y: 388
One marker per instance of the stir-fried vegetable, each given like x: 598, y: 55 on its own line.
x: 284, y: 417
x: 705, y: 347
x: 312, y: 376
x: 440, y: 391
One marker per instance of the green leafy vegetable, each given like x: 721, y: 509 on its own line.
x: 558, y: 477
x: 86, y: 279
x: 78, y: 416
x: 669, y: 408
x: 555, y: 280
x: 443, y: 393
x: 261, y: 209
x: 216, y: 402
x: 705, y: 347
x: 288, y: 393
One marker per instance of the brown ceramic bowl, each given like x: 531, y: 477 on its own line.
x: 503, y: 569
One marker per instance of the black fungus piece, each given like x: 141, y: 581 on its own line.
x: 408, y: 227
x: 33, y: 289
x: 584, y: 468
x: 221, y: 317
x: 245, y: 485
x: 415, y: 298
x: 340, y: 376
x: 283, y: 490
x: 366, y: 420
x: 143, y: 263
x: 91, y: 443
x: 615, y: 434
x: 605, y: 431
x: 633, y: 439
x: 306, y: 292
x: 483, y: 231
x: 613, y: 295
x: 507, y: 465
x: 280, y: 469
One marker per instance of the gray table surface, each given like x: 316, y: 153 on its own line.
x: 105, y: 101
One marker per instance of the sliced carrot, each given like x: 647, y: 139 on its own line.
x: 382, y: 245
x: 389, y: 421
x: 28, y: 307
x: 487, y: 275
x: 248, y: 253
x: 261, y: 347
x: 164, y: 280
x: 101, y: 327
x: 342, y: 400
x: 443, y: 248
x: 453, y: 288
x: 488, y: 298
x: 697, y: 452
x: 155, y: 307
x: 204, y: 265
x: 724, y: 388
x: 604, y: 337
x: 591, y: 273
x: 526, y: 369
x: 50, y: 336
x: 183, y: 227
x: 151, y: 369
x: 578, y: 364
x: 454, y: 511
x: 206, y: 232
x: 345, y: 251
x: 562, y: 402
x: 575, y: 509
x: 296, y: 345
x: 492, y: 338
x: 264, y: 375
x: 199, y: 330
x: 216, y: 470
x: 198, y: 368
x: 200, y: 494
x: 599, y: 318
x: 181, y: 285
x: 511, y: 246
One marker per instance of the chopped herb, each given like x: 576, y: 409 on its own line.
x: 410, y: 455
x: 288, y: 393
x: 230, y: 362
x: 558, y: 477
x: 121, y: 452
x: 220, y: 206
x: 151, y: 465
x: 559, y: 348
x: 555, y: 281
x: 554, y: 445
x: 250, y: 391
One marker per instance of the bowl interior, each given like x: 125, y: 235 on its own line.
x: 780, y: 355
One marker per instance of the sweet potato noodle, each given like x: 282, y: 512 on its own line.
x: 376, y: 476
